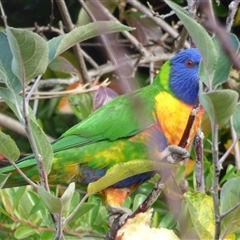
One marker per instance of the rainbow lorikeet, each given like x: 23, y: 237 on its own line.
x: 123, y: 130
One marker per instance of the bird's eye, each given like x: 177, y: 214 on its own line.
x: 189, y: 63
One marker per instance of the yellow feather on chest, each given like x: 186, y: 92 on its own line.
x: 173, y: 115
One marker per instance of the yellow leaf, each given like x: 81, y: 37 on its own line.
x: 190, y: 166
x: 202, y: 214
x: 230, y: 237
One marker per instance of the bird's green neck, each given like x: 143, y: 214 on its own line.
x: 162, y: 79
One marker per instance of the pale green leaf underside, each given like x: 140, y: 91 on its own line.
x: 6, y: 73
x: 236, y: 119
x: 230, y: 197
x: 30, y: 53
x: 219, y: 104
x: 60, y: 44
x: 8, y: 147
x: 55, y: 204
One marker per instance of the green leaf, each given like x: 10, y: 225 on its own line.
x: 138, y: 199
x: 43, y: 146
x: 230, y: 197
x: 236, y: 119
x: 61, y: 64
x: 7, y: 200
x: 86, y: 207
x: 122, y: 171
x: 168, y: 221
x: 92, y: 216
x: 53, y: 203
x: 81, y: 104
x: 8, y: 147
x: 12, y: 100
x: 30, y: 53
x: 224, y: 64
x: 23, y: 232
x: 3, y: 211
x: 202, y: 40
x: 17, y: 196
x: 60, y: 44
x: 47, y: 235
x: 230, y: 173
x: 220, y: 104
x: 6, y: 73
x: 202, y: 215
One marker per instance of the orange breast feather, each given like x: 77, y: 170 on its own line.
x: 173, y: 115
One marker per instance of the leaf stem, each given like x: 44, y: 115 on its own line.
x: 59, y: 226
x: 35, y: 85
x: 214, y: 128
x: 30, y: 182
x: 223, y: 215
x: 75, y: 210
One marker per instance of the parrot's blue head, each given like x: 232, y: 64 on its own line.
x: 184, y: 80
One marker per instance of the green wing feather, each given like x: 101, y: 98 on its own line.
x: 122, y: 117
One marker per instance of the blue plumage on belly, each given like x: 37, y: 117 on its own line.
x: 134, y: 179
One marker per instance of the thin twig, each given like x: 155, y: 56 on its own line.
x: 151, y: 198
x: 183, y: 38
x: 52, y: 15
x: 190, y: 124
x: 114, y: 54
x: 59, y: 227
x: 165, y: 26
x: 225, y: 155
x: 77, y: 50
x: 192, y: 8
x: 232, y: 9
x: 213, y: 25
x: 104, y: 39
x: 28, y: 180
x: 151, y: 70
x: 214, y: 128
x: 235, y: 137
x: 90, y: 60
x: 3, y: 15
x: 199, y: 162
x: 45, y: 29
x: 144, y: 52
x: 33, y: 88
x: 223, y: 215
